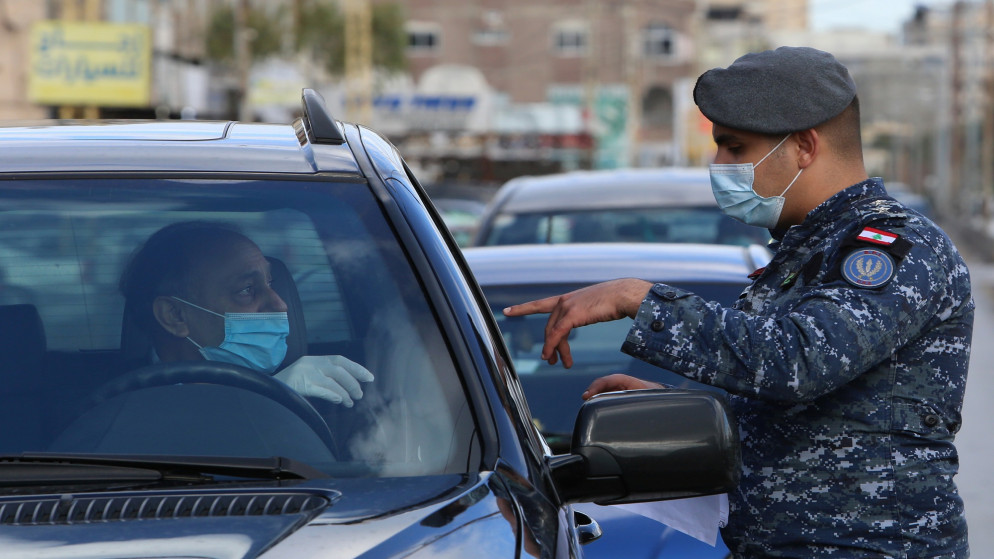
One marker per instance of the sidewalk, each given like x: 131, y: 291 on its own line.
x: 973, y: 441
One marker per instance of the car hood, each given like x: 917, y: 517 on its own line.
x: 340, y: 518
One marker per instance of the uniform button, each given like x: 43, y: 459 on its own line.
x: 656, y: 325
x: 669, y: 294
x: 931, y: 420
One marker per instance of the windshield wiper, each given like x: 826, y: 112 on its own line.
x: 54, y: 468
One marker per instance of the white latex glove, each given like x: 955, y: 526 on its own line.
x: 331, y: 377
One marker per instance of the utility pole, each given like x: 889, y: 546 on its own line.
x: 956, y: 133
x: 358, y: 60
x: 590, y: 74
x: 633, y: 77
x: 987, y: 139
x: 72, y: 10
x: 243, y: 58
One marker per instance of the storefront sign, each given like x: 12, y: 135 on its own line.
x: 98, y: 64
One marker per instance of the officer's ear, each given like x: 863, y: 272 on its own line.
x: 170, y: 316
x: 808, y: 146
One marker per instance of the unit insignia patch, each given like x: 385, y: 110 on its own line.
x: 868, y: 268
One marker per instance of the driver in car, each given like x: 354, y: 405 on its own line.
x: 203, y: 291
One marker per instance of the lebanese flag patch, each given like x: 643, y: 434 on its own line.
x: 877, y: 236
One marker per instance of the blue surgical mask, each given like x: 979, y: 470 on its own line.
x: 732, y: 185
x: 253, y: 340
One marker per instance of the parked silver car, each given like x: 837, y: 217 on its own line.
x: 672, y: 205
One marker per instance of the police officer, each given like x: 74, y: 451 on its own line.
x: 845, y: 360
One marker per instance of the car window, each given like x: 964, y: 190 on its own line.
x: 64, y: 245
x: 553, y: 392
x: 672, y: 225
x: 69, y: 266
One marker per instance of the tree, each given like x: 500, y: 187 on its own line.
x: 318, y: 29
x: 389, y: 37
x: 265, y: 33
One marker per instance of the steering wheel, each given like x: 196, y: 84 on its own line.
x: 219, y: 373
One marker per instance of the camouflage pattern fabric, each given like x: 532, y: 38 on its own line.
x: 847, y: 395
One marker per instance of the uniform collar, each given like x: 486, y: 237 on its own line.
x: 829, y: 211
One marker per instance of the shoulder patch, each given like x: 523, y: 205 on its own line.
x: 895, y: 245
x: 868, y: 268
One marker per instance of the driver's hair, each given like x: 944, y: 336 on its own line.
x: 164, y: 264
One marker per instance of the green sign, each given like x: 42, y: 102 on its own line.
x: 608, y: 122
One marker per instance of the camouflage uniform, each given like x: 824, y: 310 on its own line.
x: 847, y: 395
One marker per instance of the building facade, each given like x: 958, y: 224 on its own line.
x: 571, y: 67
x: 784, y: 15
x: 16, y: 19
x: 962, y: 177
x: 176, y: 78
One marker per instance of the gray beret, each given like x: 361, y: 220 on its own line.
x: 776, y: 91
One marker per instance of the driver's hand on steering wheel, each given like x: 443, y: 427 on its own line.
x: 331, y: 377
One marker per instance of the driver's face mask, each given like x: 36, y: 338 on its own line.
x: 253, y: 340
x: 732, y: 185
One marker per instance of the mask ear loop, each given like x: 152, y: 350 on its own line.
x: 199, y: 347
x: 189, y: 339
x: 196, y: 306
x: 792, y: 182
x: 774, y: 150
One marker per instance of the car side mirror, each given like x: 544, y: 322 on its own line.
x: 649, y: 445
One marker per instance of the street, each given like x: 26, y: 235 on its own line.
x: 974, y: 440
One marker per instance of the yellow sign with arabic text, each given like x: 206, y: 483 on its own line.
x: 89, y: 63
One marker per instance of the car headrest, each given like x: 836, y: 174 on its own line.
x: 286, y: 288
x: 136, y: 344
x: 22, y: 339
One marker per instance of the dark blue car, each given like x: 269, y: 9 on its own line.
x: 111, y: 449
x: 513, y: 274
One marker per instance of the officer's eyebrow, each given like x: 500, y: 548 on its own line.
x: 725, y: 138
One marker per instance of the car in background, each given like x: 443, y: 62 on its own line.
x: 510, y: 275
x: 461, y: 216
x: 107, y: 451
x: 671, y: 205
x: 914, y: 200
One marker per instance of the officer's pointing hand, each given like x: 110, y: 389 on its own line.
x: 600, y: 302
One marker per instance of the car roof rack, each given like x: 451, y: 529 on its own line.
x: 320, y: 125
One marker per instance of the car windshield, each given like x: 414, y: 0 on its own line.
x: 553, y: 392
x: 651, y: 225
x: 81, y: 378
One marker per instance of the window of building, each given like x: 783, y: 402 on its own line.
x: 492, y: 29
x: 657, y: 108
x: 570, y: 38
x: 423, y: 38
x: 488, y: 37
x: 659, y: 41
x: 724, y: 13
